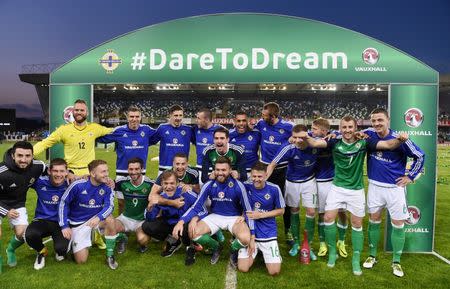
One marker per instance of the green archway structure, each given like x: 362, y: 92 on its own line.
x: 264, y: 48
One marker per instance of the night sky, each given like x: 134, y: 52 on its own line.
x: 44, y: 31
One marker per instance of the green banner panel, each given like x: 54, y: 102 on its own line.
x: 413, y: 109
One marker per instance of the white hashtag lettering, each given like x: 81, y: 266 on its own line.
x: 138, y: 61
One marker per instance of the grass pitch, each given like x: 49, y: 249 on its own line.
x: 149, y: 270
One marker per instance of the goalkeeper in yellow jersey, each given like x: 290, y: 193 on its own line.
x: 78, y: 139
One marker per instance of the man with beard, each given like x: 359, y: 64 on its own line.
x: 132, y: 196
x: 78, y: 139
x: 249, y: 139
x: 229, y: 201
x: 203, y: 134
x: 387, y: 187
x: 275, y: 133
x: 86, y: 205
x: 347, y: 190
x: 222, y: 147
x: 131, y: 141
x: 49, y: 191
x: 173, y: 137
x: 18, y: 172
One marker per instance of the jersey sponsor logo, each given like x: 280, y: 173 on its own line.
x: 55, y: 198
x: 91, y: 202
x: 267, y: 196
x: 250, y: 138
x: 67, y: 114
x: 257, y: 205
x: 379, y: 154
x: 134, y: 143
x: 101, y: 192
x: 413, y: 117
x: 221, y: 195
x: 414, y: 215
x: 271, y: 138
x: 370, y: 56
x: 110, y: 61
x: 175, y: 140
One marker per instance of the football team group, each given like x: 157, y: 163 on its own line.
x: 244, y: 178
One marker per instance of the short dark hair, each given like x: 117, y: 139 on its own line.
x: 259, y: 166
x: 223, y: 160
x: 136, y: 160
x: 175, y: 107
x: 350, y: 118
x: 58, y: 162
x: 167, y: 174
x: 322, y: 123
x: 223, y: 130
x: 22, y: 145
x: 95, y: 163
x: 299, y: 128
x: 80, y: 101
x: 380, y: 110
x: 181, y: 155
x: 273, y: 108
x: 207, y: 112
x: 241, y: 112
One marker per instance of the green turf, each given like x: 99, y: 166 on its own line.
x: 149, y: 270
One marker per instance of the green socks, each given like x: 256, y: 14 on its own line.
x: 236, y: 245
x: 121, y: 236
x: 206, y: 241
x: 330, y: 238
x: 398, y: 241
x: 374, y: 237
x: 341, y: 231
x: 309, y: 227
x: 13, y: 244
x: 295, y: 226
x: 110, y: 242
x: 320, y: 229
x: 357, y: 244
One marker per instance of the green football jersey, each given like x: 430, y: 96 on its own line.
x: 136, y: 197
x: 348, y: 163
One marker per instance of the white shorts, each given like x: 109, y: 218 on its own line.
x: 322, y: 192
x: 307, y: 190
x: 216, y: 222
x: 269, y: 250
x: 81, y: 237
x: 392, y: 198
x: 22, y: 219
x: 353, y: 201
x: 130, y: 225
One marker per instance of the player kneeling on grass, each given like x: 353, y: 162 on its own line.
x: 229, y: 201
x: 49, y: 191
x: 132, y: 196
x: 161, y: 219
x: 347, y: 191
x: 86, y: 205
x: 267, y: 202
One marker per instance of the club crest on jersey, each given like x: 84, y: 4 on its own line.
x: 413, y: 117
x: 144, y: 190
x: 91, y: 202
x: 414, y: 215
x: 314, y: 151
x: 250, y: 138
x: 281, y: 131
x: 271, y: 138
x: 358, y: 145
x: 183, y: 132
x: 142, y: 134
x: 91, y: 134
x: 230, y: 184
x: 175, y: 140
x: 221, y: 195
x: 204, y: 140
x: 68, y: 114
x: 55, y: 198
x: 267, y: 196
x: 257, y: 205
x: 101, y: 192
x: 134, y: 143
x: 370, y: 56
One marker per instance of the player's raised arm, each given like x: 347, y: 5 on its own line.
x: 312, y: 142
x: 48, y: 142
x: 392, y: 143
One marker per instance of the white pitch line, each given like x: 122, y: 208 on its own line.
x: 230, y: 278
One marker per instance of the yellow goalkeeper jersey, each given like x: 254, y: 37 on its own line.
x: 78, y: 141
